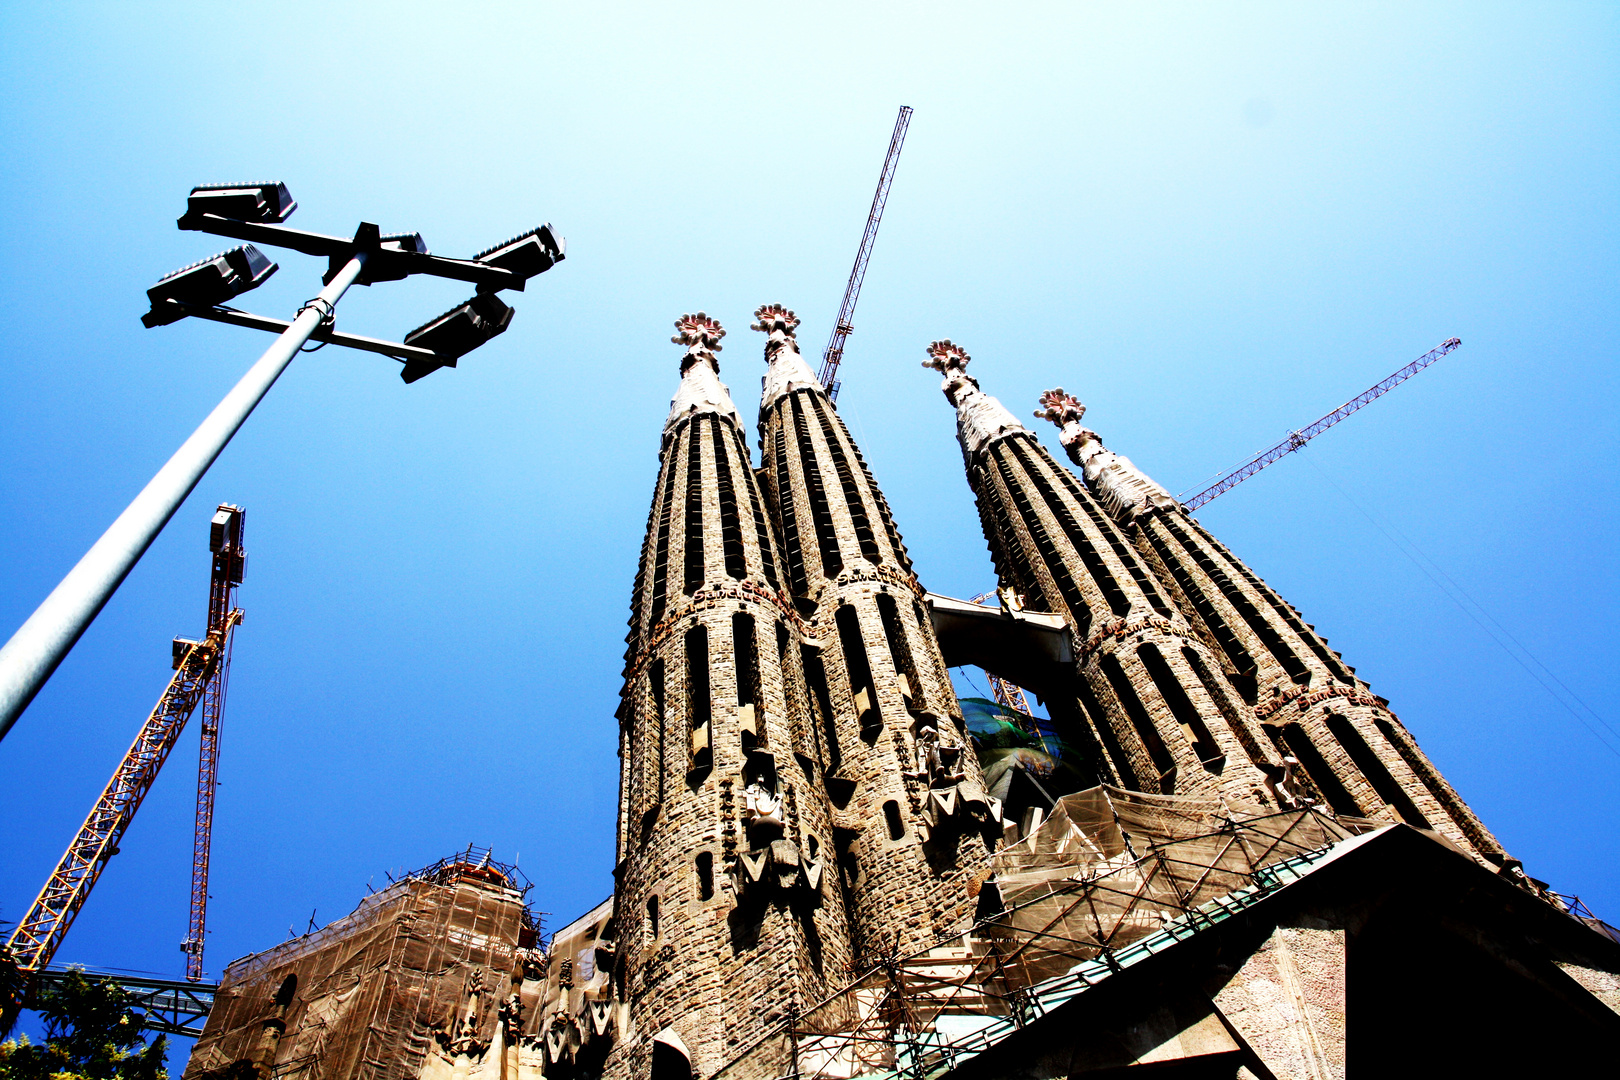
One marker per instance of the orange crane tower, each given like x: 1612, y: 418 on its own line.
x: 852, y: 292
x: 200, y: 669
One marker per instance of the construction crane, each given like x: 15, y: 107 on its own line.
x: 1305, y: 434
x: 200, y: 670
x: 852, y: 292
x: 230, y: 561
x: 1008, y: 695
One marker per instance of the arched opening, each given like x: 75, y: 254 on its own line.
x: 705, y: 875
x: 891, y: 814
x: 670, y: 1061
x: 652, y: 918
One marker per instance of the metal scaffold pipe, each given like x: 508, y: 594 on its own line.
x: 39, y: 645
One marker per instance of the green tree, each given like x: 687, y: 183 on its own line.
x: 92, y: 1032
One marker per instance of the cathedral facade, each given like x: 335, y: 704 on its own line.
x: 1246, y: 868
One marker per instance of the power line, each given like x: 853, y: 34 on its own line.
x: 1495, y: 630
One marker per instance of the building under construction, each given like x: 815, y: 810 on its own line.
x: 1222, y: 855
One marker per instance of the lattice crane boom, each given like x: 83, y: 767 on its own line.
x: 852, y: 292
x: 1305, y: 434
x: 198, y: 677
x: 230, y: 561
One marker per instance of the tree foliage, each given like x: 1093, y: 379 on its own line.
x: 92, y: 1032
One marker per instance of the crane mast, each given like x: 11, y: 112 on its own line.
x: 852, y: 292
x: 199, y: 677
x: 1305, y: 434
x: 230, y: 560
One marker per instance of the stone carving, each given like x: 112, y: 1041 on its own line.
x: 1123, y: 489
x: 1284, y: 788
x: 952, y: 795
x: 979, y: 417
x: 788, y: 370
x: 773, y: 867
x: 701, y: 335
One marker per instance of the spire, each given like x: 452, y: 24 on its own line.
x: 701, y: 390
x: 979, y: 417
x: 1118, y: 484
x: 788, y: 369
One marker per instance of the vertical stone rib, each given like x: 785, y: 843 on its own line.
x: 703, y: 710
x: 1350, y: 748
x: 846, y: 479
x: 693, y: 547
x: 792, y: 547
x: 730, y: 526
x: 767, y: 546
x: 832, y: 561
x: 1153, y: 715
x: 908, y: 853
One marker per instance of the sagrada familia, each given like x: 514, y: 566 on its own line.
x: 828, y: 867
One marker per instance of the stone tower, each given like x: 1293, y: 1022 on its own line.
x: 721, y: 926
x: 913, y: 824
x: 1151, y: 691
x: 1354, y: 752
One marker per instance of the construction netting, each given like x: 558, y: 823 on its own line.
x: 417, y: 963
x: 1110, y: 877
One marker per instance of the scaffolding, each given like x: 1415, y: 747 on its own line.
x: 1111, y: 878
x: 378, y: 988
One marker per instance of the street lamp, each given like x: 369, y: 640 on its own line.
x: 255, y: 213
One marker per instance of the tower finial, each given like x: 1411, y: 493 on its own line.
x: 951, y: 360
x: 780, y: 323
x: 701, y: 335
x: 1060, y: 408
x: 788, y: 371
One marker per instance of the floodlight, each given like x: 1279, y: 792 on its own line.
x: 411, y: 242
x: 455, y: 333
x: 203, y: 284
x: 242, y: 202
x: 530, y: 253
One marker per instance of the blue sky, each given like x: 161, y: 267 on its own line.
x: 1213, y: 225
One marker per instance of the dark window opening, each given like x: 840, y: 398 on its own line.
x: 792, y: 546
x: 820, y: 512
x: 731, y: 541
x: 1093, y: 711
x: 859, y: 670
x: 656, y: 675
x: 884, y: 512
x: 750, y: 713
x: 1128, y: 556
x: 699, y: 707
x: 1320, y: 773
x: 1224, y: 637
x: 694, y: 509
x: 1007, y: 552
x: 1134, y: 709
x: 1212, y: 686
x: 891, y: 815
x: 815, y: 676
x: 1285, y: 610
x: 661, y: 555
x: 1262, y: 627
x: 652, y: 918
x: 705, y: 875
x: 1460, y: 815
x: 900, y: 648
x: 1377, y: 774
x: 1100, y: 573
x: 1181, y: 706
x: 1050, y: 554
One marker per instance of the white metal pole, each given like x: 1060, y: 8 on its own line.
x: 38, y: 646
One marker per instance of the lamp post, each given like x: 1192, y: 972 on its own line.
x: 255, y: 212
